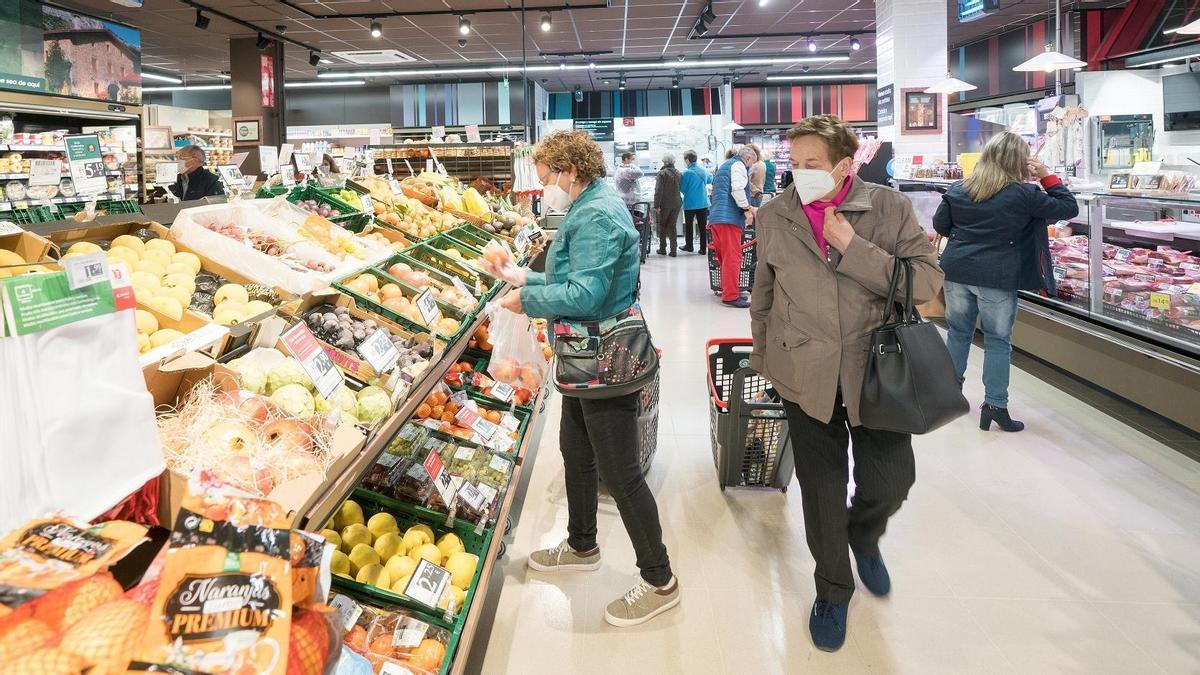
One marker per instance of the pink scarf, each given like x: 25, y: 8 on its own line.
x: 816, y: 213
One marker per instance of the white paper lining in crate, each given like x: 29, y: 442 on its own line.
x: 281, y: 221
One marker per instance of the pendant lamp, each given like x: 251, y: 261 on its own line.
x: 1192, y: 28
x: 950, y: 85
x: 1050, y: 61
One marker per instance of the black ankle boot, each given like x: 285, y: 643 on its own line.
x: 990, y: 413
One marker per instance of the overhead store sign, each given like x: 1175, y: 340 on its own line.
x: 601, y: 129
x: 268, y: 80
x: 969, y: 10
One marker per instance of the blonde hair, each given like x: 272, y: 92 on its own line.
x: 1005, y: 160
x: 562, y: 150
x: 839, y: 138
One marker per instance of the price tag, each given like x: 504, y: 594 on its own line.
x: 166, y: 173
x: 303, y: 345
x: 484, y: 428
x: 44, y: 171
x: 502, y: 392
x: 411, y: 171
x: 395, y: 185
x: 438, y: 132
x: 239, y: 158
x: 464, y: 454
x: 232, y: 175
x: 9, y: 228
x: 462, y: 288
x: 500, y: 464
x: 441, y: 480
x: 409, y: 632
x: 1123, y: 254
x: 473, y: 133
x: 304, y: 162
x: 1189, y: 266
x: 389, y: 166
x: 489, y: 493
x: 374, y: 135
x: 428, y: 307
x: 428, y: 583
x: 285, y: 153
x: 471, y: 496
x: 501, y: 443
x: 348, y: 610
x: 1160, y: 300
x: 1155, y: 263
x: 85, y: 270
x: 510, y: 422
x: 1148, y: 278
x: 268, y: 159
x: 466, y: 417
x: 522, y: 241
x: 287, y: 178
x: 367, y: 206
x: 379, y: 351
x: 1060, y: 273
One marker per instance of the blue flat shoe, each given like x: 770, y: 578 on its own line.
x: 827, y: 624
x: 874, y: 574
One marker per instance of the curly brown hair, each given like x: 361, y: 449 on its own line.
x: 562, y: 150
x: 839, y: 138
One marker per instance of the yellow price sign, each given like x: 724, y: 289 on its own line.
x: 1160, y: 301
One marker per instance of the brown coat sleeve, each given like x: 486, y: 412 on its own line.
x: 761, y: 298
x: 872, y: 266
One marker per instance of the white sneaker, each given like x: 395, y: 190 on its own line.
x: 642, y: 603
x: 563, y: 558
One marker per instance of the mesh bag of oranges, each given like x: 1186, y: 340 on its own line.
x: 393, y: 640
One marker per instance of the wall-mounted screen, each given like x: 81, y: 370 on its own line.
x: 1181, y: 101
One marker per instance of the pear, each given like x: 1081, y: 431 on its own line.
x: 401, y: 566
x: 428, y: 552
x: 382, y: 523
x: 340, y: 563
x: 375, y: 575
x: 422, y: 527
x: 361, y: 556
x: 349, y: 514
x: 449, y: 544
x: 462, y: 568
x: 332, y: 537
x: 388, y: 545
x: 354, y: 535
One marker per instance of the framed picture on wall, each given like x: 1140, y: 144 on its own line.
x: 247, y: 130
x: 158, y: 138
x: 922, y: 112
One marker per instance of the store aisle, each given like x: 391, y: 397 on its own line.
x: 1071, y: 547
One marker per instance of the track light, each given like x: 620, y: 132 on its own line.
x: 147, y: 75
x: 675, y: 83
x: 545, y: 21
x: 762, y: 3
x: 376, y: 29
x: 812, y: 45
x: 464, y: 25
x: 701, y: 27
x: 462, y: 42
x: 262, y: 43
x: 202, y: 21
x: 313, y: 58
x: 708, y: 15
x: 855, y: 45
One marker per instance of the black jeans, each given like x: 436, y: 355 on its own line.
x: 602, y: 435
x: 697, y: 218
x: 884, y: 470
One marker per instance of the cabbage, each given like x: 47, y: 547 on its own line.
x: 374, y: 404
x: 322, y: 404
x: 295, y: 400
x: 254, y: 378
x: 287, y: 372
x: 344, y: 398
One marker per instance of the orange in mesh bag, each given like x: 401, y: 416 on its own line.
x: 225, y: 596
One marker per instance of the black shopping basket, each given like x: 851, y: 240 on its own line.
x: 648, y: 424
x: 640, y: 212
x: 750, y: 441
x: 749, y: 260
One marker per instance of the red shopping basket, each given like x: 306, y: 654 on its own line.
x: 750, y: 442
x: 749, y: 261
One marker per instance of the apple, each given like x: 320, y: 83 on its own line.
x: 239, y: 470
x: 289, y: 434
x: 233, y: 437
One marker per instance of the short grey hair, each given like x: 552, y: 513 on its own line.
x: 748, y: 152
x: 193, y: 151
x: 668, y: 159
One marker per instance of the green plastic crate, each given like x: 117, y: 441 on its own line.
x: 112, y: 207
x: 377, y: 307
x: 350, y: 217
x: 437, y: 275
x: 479, y: 361
x: 442, y: 242
x: 30, y: 215
x: 406, y: 516
x: 271, y: 191
x: 432, y: 257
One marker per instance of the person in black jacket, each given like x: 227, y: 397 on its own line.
x: 667, y: 202
x: 194, y: 181
x: 995, y: 225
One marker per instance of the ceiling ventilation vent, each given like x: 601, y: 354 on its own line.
x: 375, y: 57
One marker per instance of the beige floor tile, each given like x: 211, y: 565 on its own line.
x: 1167, y: 632
x: 905, y: 634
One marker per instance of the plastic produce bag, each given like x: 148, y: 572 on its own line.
x: 517, y: 358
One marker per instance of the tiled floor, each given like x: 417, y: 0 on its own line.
x: 1073, y: 547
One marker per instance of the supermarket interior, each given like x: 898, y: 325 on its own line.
x: 346, y: 336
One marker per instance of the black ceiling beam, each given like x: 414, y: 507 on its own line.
x: 604, y: 4
x: 246, y: 24
x: 595, y: 52
x: 797, y: 34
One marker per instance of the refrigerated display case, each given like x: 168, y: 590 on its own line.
x: 1122, y: 141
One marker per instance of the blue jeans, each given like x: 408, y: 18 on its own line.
x: 997, y: 309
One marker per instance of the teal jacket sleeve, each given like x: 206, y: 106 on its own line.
x: 535, y: 278
x: 594, y: 252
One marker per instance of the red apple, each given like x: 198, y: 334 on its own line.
x: 231, y: 437
x: 288, y: 434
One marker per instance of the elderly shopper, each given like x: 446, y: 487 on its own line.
x: 194, y: 181
x: 731, y: 213
x: 626, y: 179
x: 667, y: 203
x: 694, y: 186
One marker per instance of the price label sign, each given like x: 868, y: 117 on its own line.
x: 287, y: 178
x: 7, y: 227
x: 374, y: 135
x: 484, y: 428
x: 441, y: 479
x: 303, y: 345
x: 285, y: 153
x: 85, y: 270
x: 462, y: 287
x: 500, y: 465
x: 348, y: 611
x: 378, y: 351
x: 389, y: 166
x: 471, y: 496
x: 304, y: 162
x: 166, y: 173
x: 1060, y: 273
x: 466, y: 417
x: 428, y: 307
x: 232, y: 175
x: 473, y: 133
x: 428, y: 583
x: 44, y: 171
x: 438, y: 132
x: 268, y: 159
x: 1123, y: 254
x: 522, y: 241
x: 503, y: 392
x: 367, y: 206
x: 1160, y: 301
x: 409, y: 632
x: 86, y: 163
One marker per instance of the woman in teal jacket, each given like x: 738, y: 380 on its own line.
x: 591, y: 273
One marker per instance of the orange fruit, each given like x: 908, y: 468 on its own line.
x: 448, y: 417
x: 493, y: 416
x: 428, y: 654
x: 423, y: 410
x: 382, y: 644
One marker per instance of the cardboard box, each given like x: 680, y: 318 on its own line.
x: 32, y: 248
x: 171, y: 381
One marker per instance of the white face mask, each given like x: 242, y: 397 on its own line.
x: 556, y: 198
x: 812, y: 184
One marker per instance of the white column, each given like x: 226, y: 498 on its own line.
x: 911, y: 45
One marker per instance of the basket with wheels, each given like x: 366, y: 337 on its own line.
x: 749, y: 260
x: 750, y: 442
x: 648, y: 424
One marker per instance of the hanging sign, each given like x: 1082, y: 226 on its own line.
x: 86, y: 163
x: 267, y: 71
x: 473, y: 134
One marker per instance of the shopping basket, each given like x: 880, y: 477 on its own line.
x: 749, y: 260
x: 751, y: 446
x: 648, y: 424
x: 642, y: 222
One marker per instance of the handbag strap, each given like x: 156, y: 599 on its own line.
x: 889, y: 309
x: 909, y: 309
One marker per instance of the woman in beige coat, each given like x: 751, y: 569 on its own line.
x: 827, y: 246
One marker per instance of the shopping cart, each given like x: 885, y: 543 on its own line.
x: 644, y: 224
x: 648, y: 424
x: 749, y: 260
x: 750, y: 442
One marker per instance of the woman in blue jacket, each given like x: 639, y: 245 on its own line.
x: 995, y: 226
x: 591, y: 273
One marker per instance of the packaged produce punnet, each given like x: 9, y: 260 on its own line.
x: 275, y: 243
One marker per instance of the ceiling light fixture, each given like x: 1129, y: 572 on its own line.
x: 313, y: 58
x: 376, y: 29
x: 146, y: 75
x: 190, y: 87
x: 821, y: 76
x: 1192, y: 28
x: 326, y: 60
x: 464, y: 25
x: 262, y: 43
x: 855, y: 45
x: 812, y: 46
x: 1049, y: 61
x: 592, y: 65
x: 202, y: 21
x: 308, y: 84
x: 1160, y: 62
x: 763, y: 3
x: 675, y: 83
x: 562, y: 66
x: 545, y: 23
x: 950, y: 85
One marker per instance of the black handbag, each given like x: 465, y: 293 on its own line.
x: 909, y: 385
x: 604, y: 359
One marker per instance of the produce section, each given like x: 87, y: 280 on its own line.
x: 224, y: 302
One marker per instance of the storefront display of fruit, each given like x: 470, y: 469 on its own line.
x: 162, y: 278
x: 375, y: 552
x: 337, y: 327
x: 268, y: 372
x: 451, y: 413
x: 464, y: 375
x: 394, y: 640
x: 421, y: 280
x: 319, y: 208
x: 397, y: 243
x: 391, y: 296
x: 414, y: 218
x: 268, y: 245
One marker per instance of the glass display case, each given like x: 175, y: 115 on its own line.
x: 1146, y: 252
